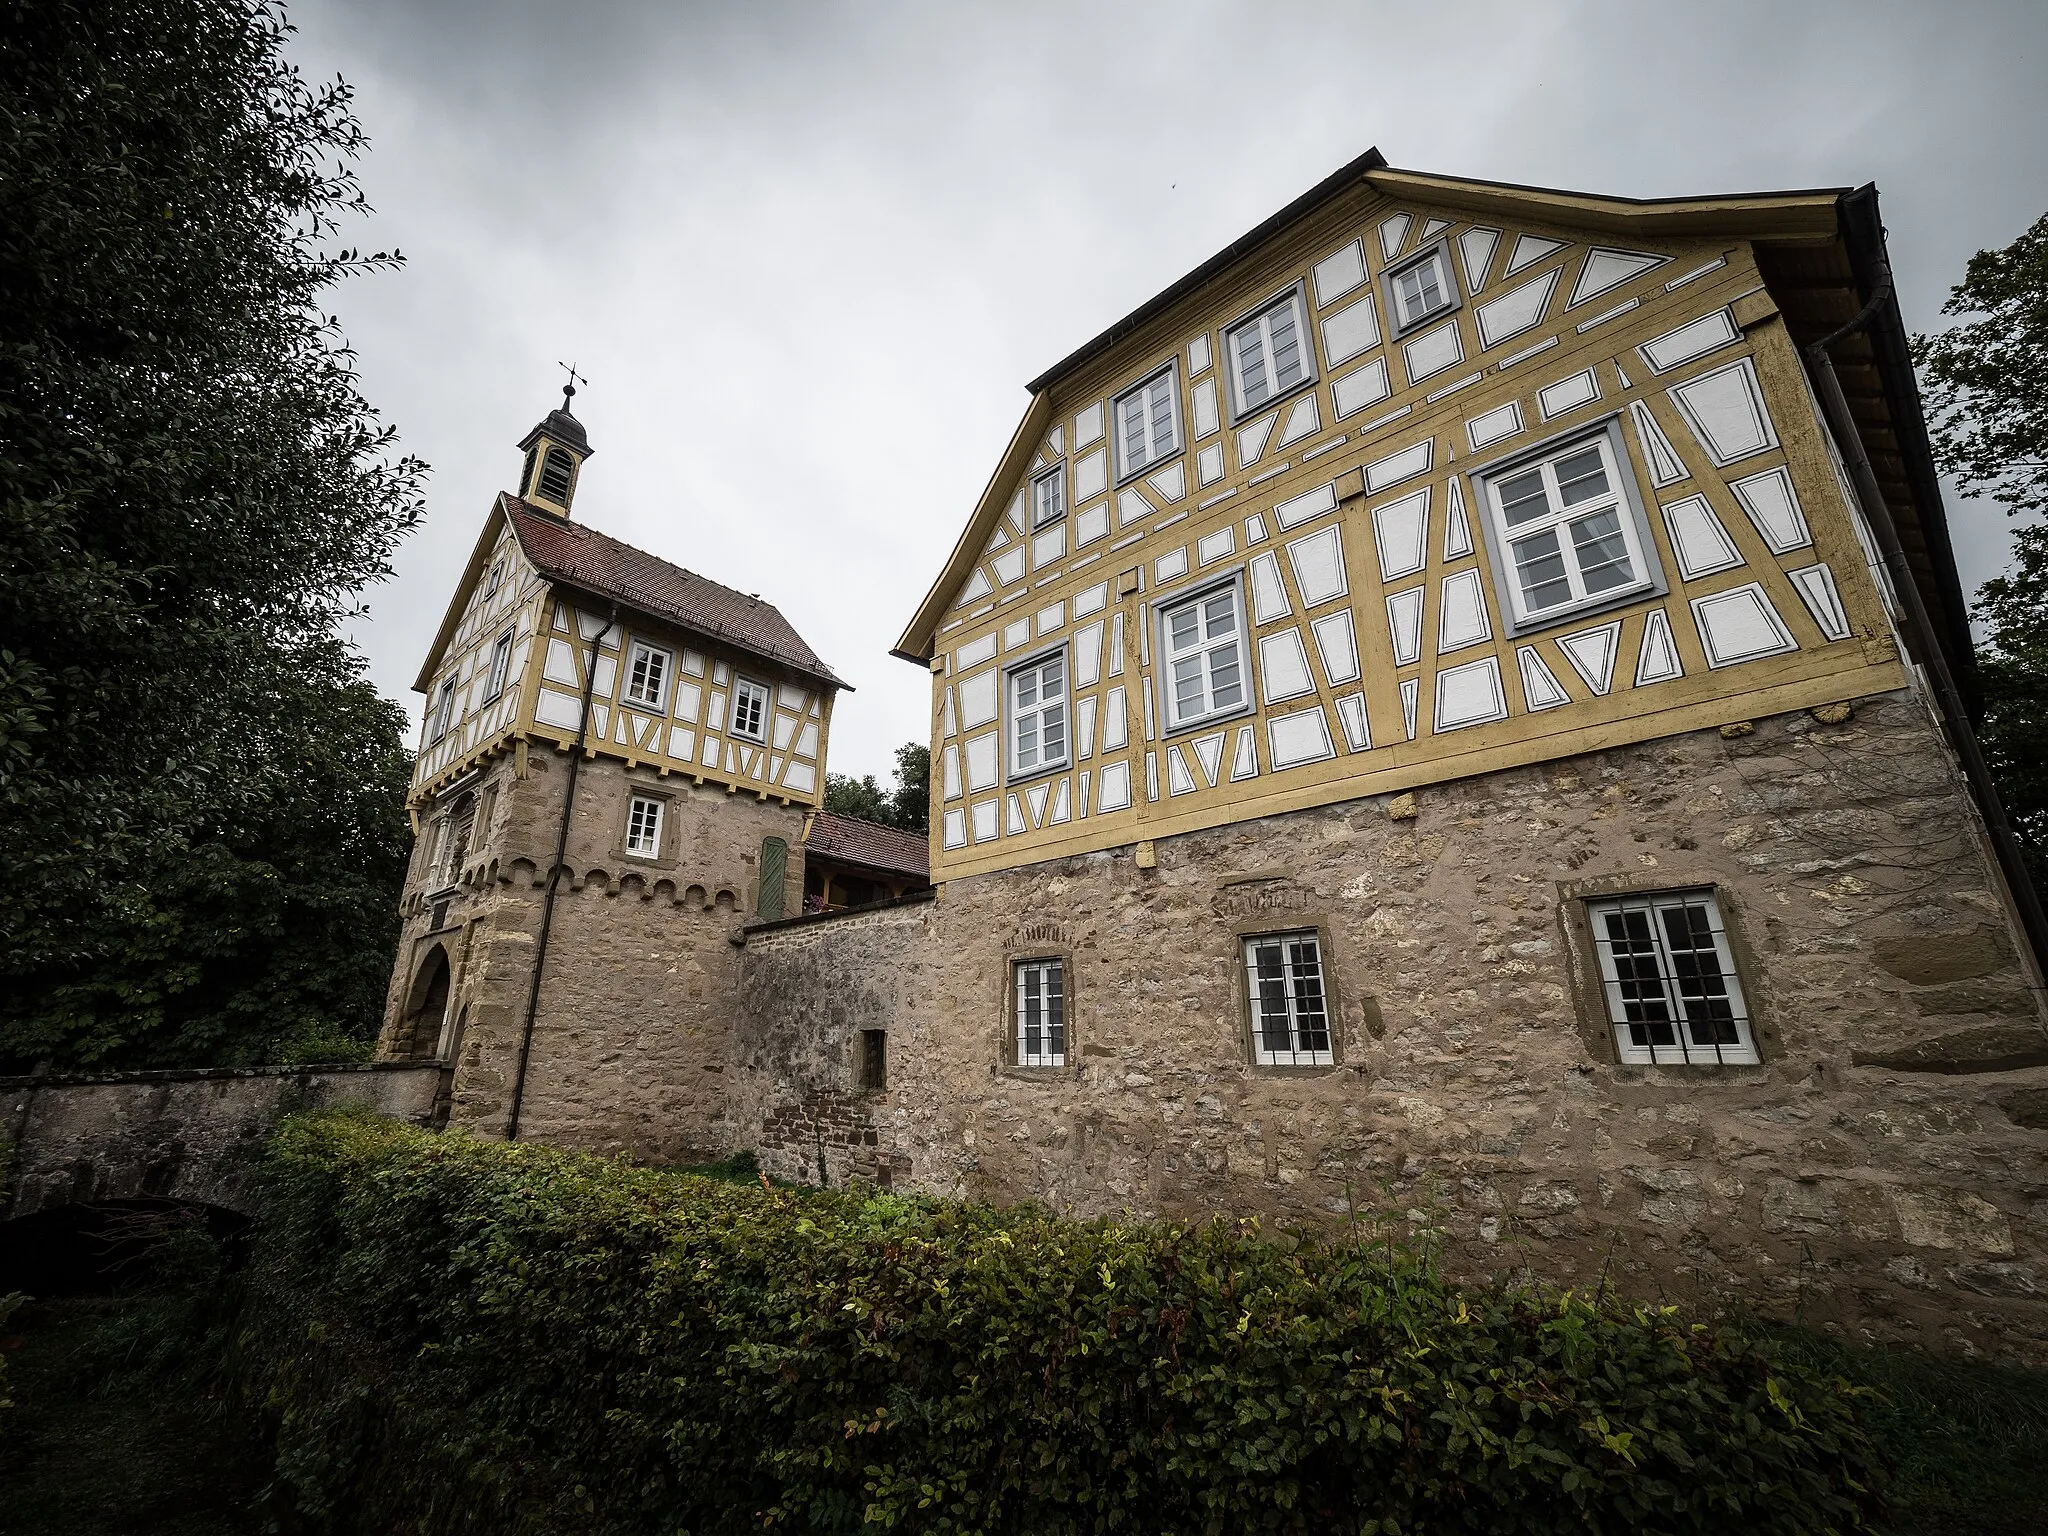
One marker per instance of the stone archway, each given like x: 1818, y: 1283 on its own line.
x: 426, y: 1008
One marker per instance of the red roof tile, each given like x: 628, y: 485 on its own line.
x: 868, y: 843
x: 596, y: 562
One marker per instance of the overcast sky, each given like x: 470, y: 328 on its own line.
x: 809, y: 254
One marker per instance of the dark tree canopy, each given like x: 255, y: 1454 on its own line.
x: 201, y: 801
x: 1987, y: 394
x: 908, y: 805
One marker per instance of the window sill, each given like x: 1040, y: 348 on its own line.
x: 1207, y: 722
x: 1557, y: 618
x: 1399, y: 332
x: 1041, y: 1074
x: 1012, y: 780
x: 1152, y: 468
x: 1301, y: 1069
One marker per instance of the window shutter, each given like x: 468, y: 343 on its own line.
x: 774, y: 863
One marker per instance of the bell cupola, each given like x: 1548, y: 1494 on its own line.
x: 555, y: 451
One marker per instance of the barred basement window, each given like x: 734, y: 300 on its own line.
x: 1041, y: 988
x: 1672, y: 993
x: 643, y: 827
x: 1290, y: 1010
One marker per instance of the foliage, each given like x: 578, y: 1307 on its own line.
x: 908, y: 805
x: 453, y: 1334
x: 1987, y: 394
x: 1965, y: 1441
x: 199, y: 810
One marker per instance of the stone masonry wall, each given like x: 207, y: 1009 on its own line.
x: 1885, y: 1167
x: 632, y: 1035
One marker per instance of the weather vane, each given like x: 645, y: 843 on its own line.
x: 575, y: 378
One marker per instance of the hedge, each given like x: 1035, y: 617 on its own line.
x: 451, y: 1334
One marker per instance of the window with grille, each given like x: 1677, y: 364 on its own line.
x: 501, y: 666
x: 1421, y: 289
x: 1147, y: 423
x: 647, y: 676
x: 749, y: 710
x: 1289, y: 1006
x: 1049, y: 496
x: 1038, y: 715
x: 1041, y: 989
x: 444, y: 712
x: 557, y: 471
x: 1269, y: 353
x: 1672, y: 993
x: 1201, y: 642
x: 643, y: 827
x: 1568, y: 530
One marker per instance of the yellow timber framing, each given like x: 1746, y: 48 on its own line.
x: 1708, y: 237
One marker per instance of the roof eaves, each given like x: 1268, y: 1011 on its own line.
x: 453, y: 616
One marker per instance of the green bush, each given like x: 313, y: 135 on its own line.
x: 452, y: 1334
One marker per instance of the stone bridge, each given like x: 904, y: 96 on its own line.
x: 181, y: 1136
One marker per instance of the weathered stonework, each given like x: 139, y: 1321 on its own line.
x: 1884, y: 1166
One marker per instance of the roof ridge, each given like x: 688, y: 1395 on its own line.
x: 570, y: 523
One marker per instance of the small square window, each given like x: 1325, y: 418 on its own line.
x: 1669, y: 978
x: 501, y: 666
x: 749, y: 710
x: 1289, y: 1007
x: 647, y: 676
x: 643, y: 827
x: 1147, y: 423
x: 1202, y: 652
x: 1038, y: 715
x: 1049, y: 496
x: 1421, y: 288
x: 1269, y: 353
x: 1041, y: 991
x: 1568, y: 529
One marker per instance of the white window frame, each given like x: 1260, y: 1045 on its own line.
x: 494, y: 580
x: 644, y: 817
x: 443, y: 716
x: 501, y: 667
x: 1038, y: 712
x: 1398, y: 322
x: 1048, y: 486
x: 1259, y: 321
x: 1169, y: 656
x: 1655, y: 988
x: 732, y: 708
x: 1054, y: 1023
x: 634, y: 693
x: 1158, y: 451
x: 1622, y: 498
x: 1301, y: 1049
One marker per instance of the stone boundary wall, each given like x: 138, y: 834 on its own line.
x: 180, y: 1135
x: 808, y: 988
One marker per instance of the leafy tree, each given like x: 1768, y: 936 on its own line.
x: 908, y: 805
x: 1987, y: 392
x: 200, y: 799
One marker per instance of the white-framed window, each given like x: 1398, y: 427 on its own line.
x: 1202, y: 648
x: 1038, y: 715
x: 643, y: 827
x: 749, y: 710
x: 1567, y: 528
x: 1269, y: 353
x: 1049, y: 496
x: 1669, y: 978
x: 1290, y: 1009
x: 444, y: 712
x: 647, y: 676
x: 1147, y: 423
x: 495, y: 580
x: 1421, y: 288
x: 501, y: 666
x: 1041, y: 991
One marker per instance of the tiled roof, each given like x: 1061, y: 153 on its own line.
x: 853, y: 841
x: 596, y: 562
